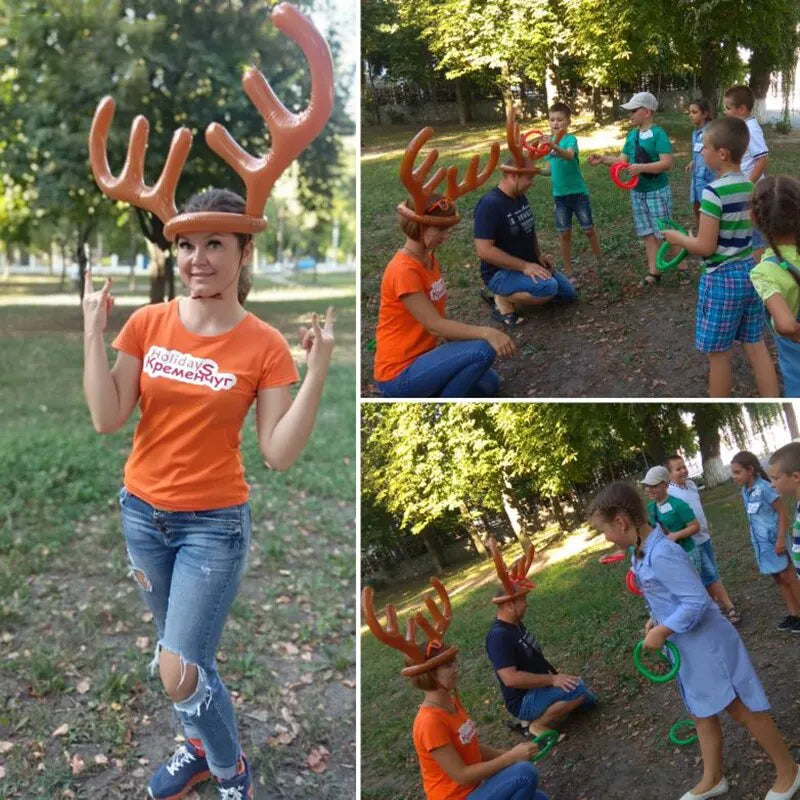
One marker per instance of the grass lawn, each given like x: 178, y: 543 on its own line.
x: 74, y: 636
x: 588, y: 624
x: 613, y: 310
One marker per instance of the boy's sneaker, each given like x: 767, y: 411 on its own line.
x: 788, y: 623
x: 186, y: 768
x: 238, y: 787
x: 796, y: 626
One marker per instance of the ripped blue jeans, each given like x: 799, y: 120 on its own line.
x: 188, y: 565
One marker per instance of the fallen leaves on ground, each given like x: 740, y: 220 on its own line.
x: 318, y: 758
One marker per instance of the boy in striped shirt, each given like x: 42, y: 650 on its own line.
x: 728, y: 308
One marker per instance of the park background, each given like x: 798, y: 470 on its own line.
x: 80, y: 715
x: 458, y: 66
x: 439, y: 479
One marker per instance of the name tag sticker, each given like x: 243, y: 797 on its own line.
x: 665, y: 508
x: 752, y: 508
x: 645, y: 135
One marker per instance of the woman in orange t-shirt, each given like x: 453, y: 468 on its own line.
x: 411, y: 320
x: 453, y: 763
x: 195, y: 365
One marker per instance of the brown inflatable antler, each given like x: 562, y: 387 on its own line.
x: 290, y: 135
x: 422, y: 190
x: 130, y: 186
x: 514, y: 580
x: 514, y: 139
x: 390, y: 635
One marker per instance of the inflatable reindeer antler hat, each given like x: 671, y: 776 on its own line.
x: 290, y: 134
x: 421, y: 191
x: 514, y: 581
x: 435, y: 652
x: 515, y: 146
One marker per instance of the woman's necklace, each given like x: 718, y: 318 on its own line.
x: 423, y: 259
x: 451, y: 709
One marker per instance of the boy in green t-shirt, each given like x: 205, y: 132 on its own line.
x: 570, y: 194
x: 648, y: 151
x: 674, y: 515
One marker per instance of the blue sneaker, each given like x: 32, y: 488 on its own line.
x: 185, y: 769
x: 239, y: 787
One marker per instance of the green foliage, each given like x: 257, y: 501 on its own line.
x: 422, y: 461
x: 583, y: 43
x: 176, y: 63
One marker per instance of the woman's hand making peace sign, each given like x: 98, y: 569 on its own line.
x: 318, y: 342
x: 97, y: 305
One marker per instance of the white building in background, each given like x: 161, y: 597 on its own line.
x: 776, y: 96
x: 775, y: 436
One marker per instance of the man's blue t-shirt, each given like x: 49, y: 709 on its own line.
x: 509, y: 223
x: 510, y: 645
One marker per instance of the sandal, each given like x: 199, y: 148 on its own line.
x: 516, y: 726
x: 487, y: 296
x: 650, y: 280
x: 510, y: 321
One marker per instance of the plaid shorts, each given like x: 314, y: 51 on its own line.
x: 648, y: 208
x: 728, y: 308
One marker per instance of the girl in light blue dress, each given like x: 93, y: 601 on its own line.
x: 700, y: 114
x: 769, y: 528
x: 716, y: 673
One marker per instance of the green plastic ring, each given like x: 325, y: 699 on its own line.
x: 550, y: 738
x: 682, y: 723
x: 662, y: 264
x: 676, y: 663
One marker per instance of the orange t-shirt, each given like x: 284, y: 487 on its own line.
x: 434, y: 727
x: 399, y: 337
x: 195, y: 392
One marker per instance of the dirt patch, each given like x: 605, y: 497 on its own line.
x: 93, y: 627
x: 618, y: 340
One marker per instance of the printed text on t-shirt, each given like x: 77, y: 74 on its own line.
x: 186, y: 368
x: 466, y: 732
x: 438, y: 290
x: 520, y: 220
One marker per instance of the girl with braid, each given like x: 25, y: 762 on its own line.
x: 715, y: 674
x: 776, y: 211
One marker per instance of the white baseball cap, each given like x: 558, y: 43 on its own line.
x: 641, y: 100
x: 656, y: 475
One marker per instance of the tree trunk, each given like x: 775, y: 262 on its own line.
x: 551, y: 80
x: 709, y: 439
x: 512, y: 512
x: 708, y: 72
x: 434, y: 553
x: 597, y: 105
x: 376, y: 104
x: 82, y: 260
x: 558, y: 510
x: 64, y: 251
x: 162, y: 278
x: 656, y: 449
x: 157, y: 272
x: 791, y: 420
x: 474, y: 535
x: 761, y: 67
x: 505, y: 86
x: 462, y: 111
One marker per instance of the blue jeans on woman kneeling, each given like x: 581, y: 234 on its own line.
x: 454, y: 369
x: 517, y: 782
